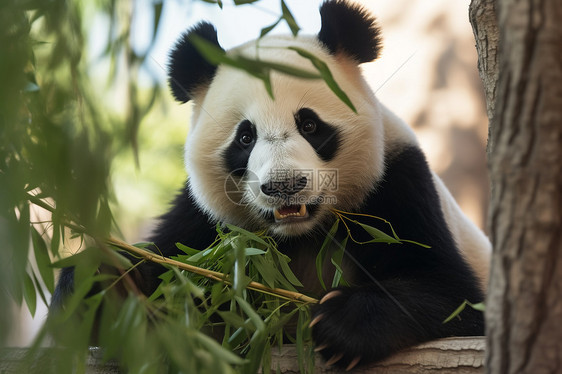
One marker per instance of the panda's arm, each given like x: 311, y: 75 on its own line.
x: 399, y: 297
x: 372, y: 322
x: 400, y: 293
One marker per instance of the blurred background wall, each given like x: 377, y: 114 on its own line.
x: 426, y: 74
x: 430, y: 58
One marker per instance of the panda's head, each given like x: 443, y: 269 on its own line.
x: 282, y: 163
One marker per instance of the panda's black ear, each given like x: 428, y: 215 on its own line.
x: 349, y: 29
x: 188, y: 70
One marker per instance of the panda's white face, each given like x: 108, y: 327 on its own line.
x: 282, y: 164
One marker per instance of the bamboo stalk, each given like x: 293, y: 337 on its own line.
x: 210, y: 274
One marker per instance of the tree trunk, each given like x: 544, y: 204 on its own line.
x: 482, y: 15
x: 524, y: 307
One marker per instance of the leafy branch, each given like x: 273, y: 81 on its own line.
x: 210, y: 274
x: 156, y: 258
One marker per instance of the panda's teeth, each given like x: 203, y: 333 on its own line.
x: 301, y: 213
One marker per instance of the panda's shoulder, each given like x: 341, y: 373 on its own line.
x: 185, y: 223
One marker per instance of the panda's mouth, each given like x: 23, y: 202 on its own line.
x: 287, y: 213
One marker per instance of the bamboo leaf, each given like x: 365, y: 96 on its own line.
x: 288, y: 17
x: 326, y: 74
x: 43, y: 260
x: 187, y: 250
x: 39, y: 289
x: 219, y: 351
x: 242, y: 2
x: 287, y: 272
x: 232, y: 318
x: 456, y: 312
x: 253, y: 252
x: 265, y: 271
x: 377, y: 235
x: 246, y: 233
x: 254, y: 317
x: 267, y: 30
x: 29, y: 294
x: 256, y: 68
x: 478, y: 306
x: 157, y: 16
x: 336, y: 260
x: 322, y: 253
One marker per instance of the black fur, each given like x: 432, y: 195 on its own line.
x: 349, y: 29
x: 325, y: 139
x: 237, y: 154
x: 64, y: 288
x: 185, y: 223
x: 401, y: 292
x: 188, y: 70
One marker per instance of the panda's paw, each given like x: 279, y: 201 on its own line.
x: 338, y: 328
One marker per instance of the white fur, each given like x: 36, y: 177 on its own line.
x: 473, y: 244
x: 234, y: 96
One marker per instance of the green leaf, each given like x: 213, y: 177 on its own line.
x: 336, y: 260
x: 265, y: 270
x: 39, y: 289
x: 29, y: 294
x: 458, y: 311
x: 215, y: 55
x: 144, y: 245
x: 157, y: 12
x: 326, y: 74
x: 478, y: 306
x: 219, y: 351
x: 322, y: 253
x: 43, y: 260
x: 282, y: 68
x: 416, y: 243
x: 246, y: 233
x: 55, y: 238
x: 288, y: 17
x: 267, y: 30
x: 253, y: 252
x: 256, y: 68
x: 232, y: 318
x: 283, y: 261
x: 220, y: 294
x: 242, y: 2
x: 187, y: 250
x: 377, y: 235
x: 251, y: 313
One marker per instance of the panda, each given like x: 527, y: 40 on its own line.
x: 298, y: 154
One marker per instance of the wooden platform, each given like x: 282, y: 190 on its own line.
x: 453, y: 355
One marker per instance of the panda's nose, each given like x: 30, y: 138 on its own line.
x: 286, y: 187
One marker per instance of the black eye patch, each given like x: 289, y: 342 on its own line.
x: 324, y: 138
x: 238, y: 152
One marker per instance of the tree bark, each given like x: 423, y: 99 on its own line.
x: 482, y: 14
x: 524, y: 307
